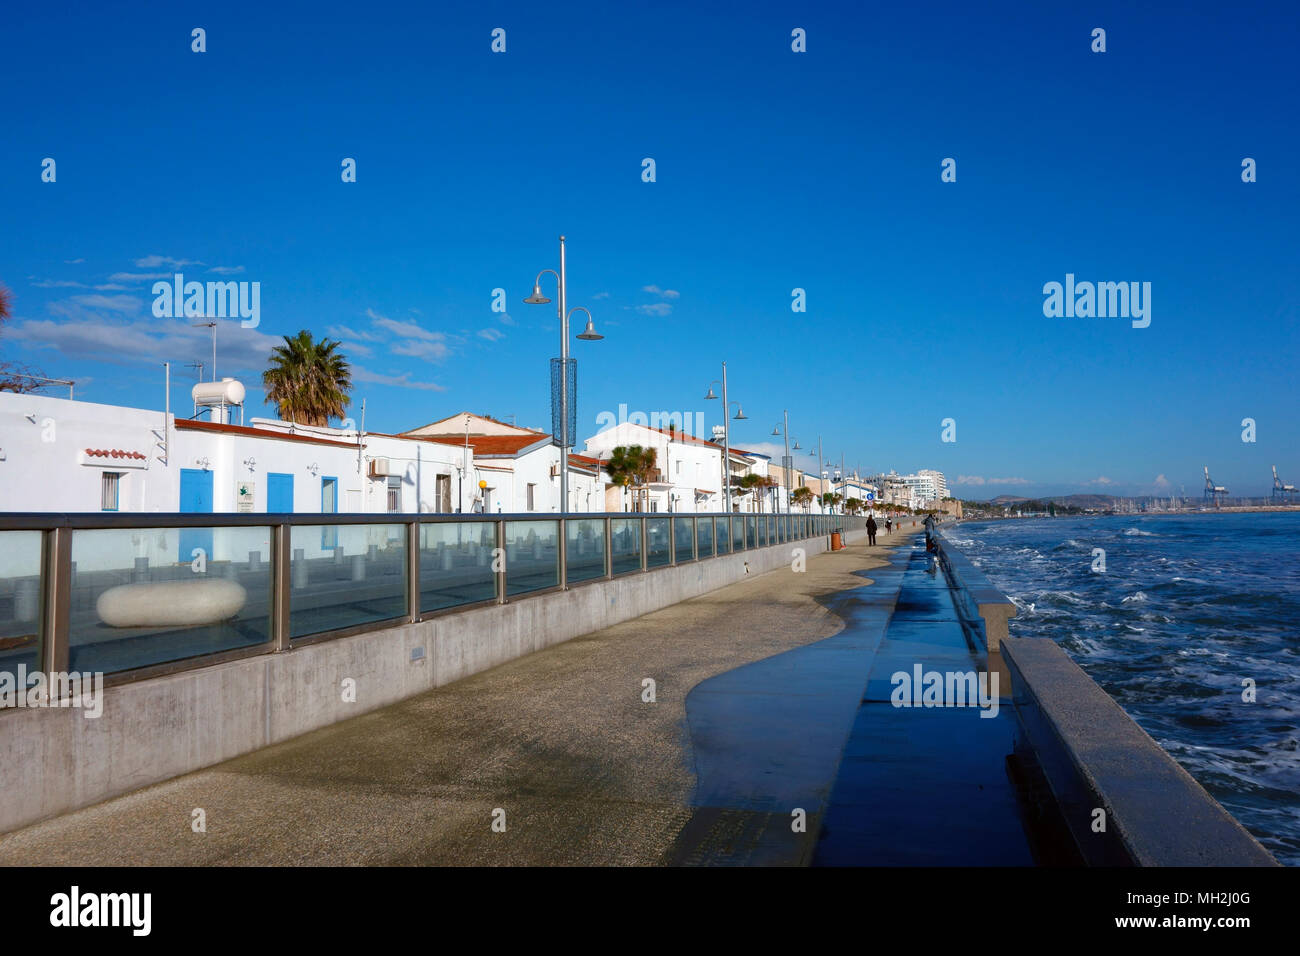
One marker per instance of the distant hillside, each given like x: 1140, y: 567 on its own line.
x: 1099, y: 502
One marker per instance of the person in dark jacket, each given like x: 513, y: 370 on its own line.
x: 871, y: 530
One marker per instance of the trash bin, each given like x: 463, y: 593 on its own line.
x: 837, y: 543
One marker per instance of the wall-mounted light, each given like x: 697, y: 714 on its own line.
x: 313, y: 468
x: 204, y: 463
x: 249, y: 462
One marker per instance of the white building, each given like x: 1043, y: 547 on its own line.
x: 688, y: 469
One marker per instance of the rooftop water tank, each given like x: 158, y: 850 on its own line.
x: 225, y: 392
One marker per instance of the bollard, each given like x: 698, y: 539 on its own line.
x: 255, y: 560
x: 338, y: 555
x: 359, y: 566
x: 371, y: 552
x: 299, y: 568
x: 141, y: 572
x: 446, y: 559
x: 27, y: 599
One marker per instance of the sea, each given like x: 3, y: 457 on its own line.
x: 1190, y: 613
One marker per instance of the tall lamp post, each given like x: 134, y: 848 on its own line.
x: 588, y: 335
x: 726, y: 435
x: 787, y: 462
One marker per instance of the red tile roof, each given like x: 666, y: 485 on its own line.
x: 488, y: 444
x: 183, y: 424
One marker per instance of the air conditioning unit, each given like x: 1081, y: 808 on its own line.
x: 380, y: 468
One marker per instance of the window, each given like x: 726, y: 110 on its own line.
x: 109, y: 487
x: 329, y: 504
x: 394, y: 495
x: 531, y: 500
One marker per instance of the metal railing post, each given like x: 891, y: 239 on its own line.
x: 413, y: 570
x: 609, y: 549
x: 501, y: 553
x: 281, y: 565
x: 564, y: 554
x: 56, y: 599
x: 645, y: 543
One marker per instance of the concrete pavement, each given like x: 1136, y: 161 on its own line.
x: 559, y: 745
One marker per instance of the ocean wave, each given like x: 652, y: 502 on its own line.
x: 1137, y: 596
x: 1138, y: 532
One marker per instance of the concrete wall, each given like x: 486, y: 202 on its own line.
x: 56, y: 760
x: 1093, y: 756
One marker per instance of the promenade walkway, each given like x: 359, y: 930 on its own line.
x: 759, y: 688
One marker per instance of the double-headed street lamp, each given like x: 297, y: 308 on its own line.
x: 588, y: 334
x: 726, y: 435
x: 787, y: 462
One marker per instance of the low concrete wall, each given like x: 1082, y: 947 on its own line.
x: 1095, y: 757
x: 56, y: 760
x: 1092, y: 754
x: 978, y: 599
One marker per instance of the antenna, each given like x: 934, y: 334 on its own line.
x: 197, y: 365
x: 213, y: 326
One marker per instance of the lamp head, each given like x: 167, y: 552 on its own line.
x: 589, y: 334
x: 710, y: 396
x: 740, y: 415
x: 776, y: 430
x: 537, y: 298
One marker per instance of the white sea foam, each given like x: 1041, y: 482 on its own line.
x: 1131, y: 532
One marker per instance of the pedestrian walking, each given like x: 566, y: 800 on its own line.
x: 889, y: 526
x: 871, y: 530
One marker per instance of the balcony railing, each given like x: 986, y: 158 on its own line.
x: 136, y: 595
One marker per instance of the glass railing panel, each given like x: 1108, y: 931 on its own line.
x: 683, y: 540
x: 532, y: 555
x: 658, y: 542
x: 20, y: 605
x: 586, y: 549
x: 147, y: 596
x: 456, y: 564
x: 625, y: 545
x: 345, y: 576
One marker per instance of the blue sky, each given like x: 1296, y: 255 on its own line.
x: 775, y: 170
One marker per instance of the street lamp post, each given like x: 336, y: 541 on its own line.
x: 589, y: 335
x: 726, y: 436
x: 784, y: 429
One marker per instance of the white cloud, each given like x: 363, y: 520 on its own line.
x: 434, y: 351
x: 505, y: 319
x: 662, y: 293
x: 492, y: 335
x: 139, y: 276
x: 360, y: 374
x: 153, y: 262
x: 977, y: 480
x: 406, y: 330
x: 1161, y: 481
x: 75, y: 306
x: 604, y: 295
x: 656, y: 309
x: 346, y: 332
x: 110, y: 287
x: 1101, y: 480
x: 969, y: 480
x: 73, y: 262
x: 146, y: 340
x: 1008, y: 481
x: 356, y: 348
x: 57, y: 284
x: 226, y: 270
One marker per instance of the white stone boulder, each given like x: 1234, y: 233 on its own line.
x: 171, y: 603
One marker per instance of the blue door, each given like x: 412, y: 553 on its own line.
x: 279, y: 493
x: 196, y: 498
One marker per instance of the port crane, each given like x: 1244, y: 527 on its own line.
x: 1281, y: 492
x: 1213, y: 492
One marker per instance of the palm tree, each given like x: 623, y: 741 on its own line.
x: 802, y: 496
x: 308, y: 381
x: 630, y: 465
